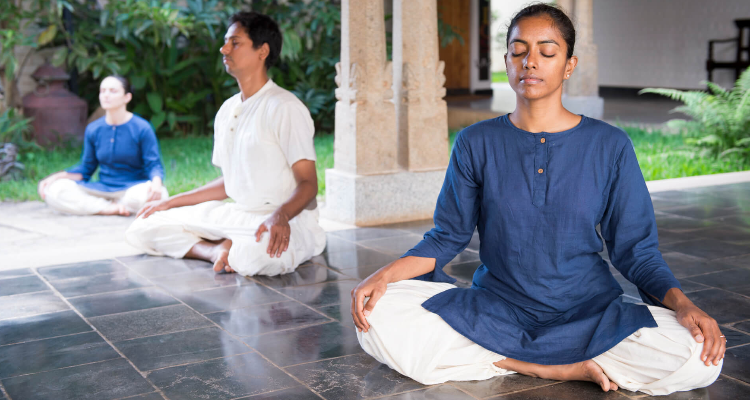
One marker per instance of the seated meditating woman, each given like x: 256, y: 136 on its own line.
x: 263, y: 143
x: 536, y: 183
x: 124, y: 148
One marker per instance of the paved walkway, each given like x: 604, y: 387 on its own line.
x: 142, y: 327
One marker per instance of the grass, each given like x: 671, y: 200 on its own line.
x: 499, y: 77
x: 187, y: 162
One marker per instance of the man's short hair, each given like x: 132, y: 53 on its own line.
x: 261, y: 29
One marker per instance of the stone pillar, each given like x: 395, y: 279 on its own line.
x: 388, y: 165
x: 421, y: 112
x: 581, y: 92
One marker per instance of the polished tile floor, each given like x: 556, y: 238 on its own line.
x: 154, y: 328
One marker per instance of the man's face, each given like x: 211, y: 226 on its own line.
x: 239, y: 56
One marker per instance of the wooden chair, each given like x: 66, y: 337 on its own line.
x: 742, y: 59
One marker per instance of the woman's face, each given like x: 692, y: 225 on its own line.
x: 537, y: 61
x: 112, y: 95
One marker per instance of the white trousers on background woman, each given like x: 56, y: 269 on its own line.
x: 67, y: 196
x: 174, y: 232
x: 419, y: 344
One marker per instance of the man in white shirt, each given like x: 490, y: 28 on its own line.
x: 263, y: 143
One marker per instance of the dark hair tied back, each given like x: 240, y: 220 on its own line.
x: 560, y: 20
x: 124, y: 81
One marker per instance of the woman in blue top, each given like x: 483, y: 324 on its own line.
x: 536, y: 183
x: 125, y: 149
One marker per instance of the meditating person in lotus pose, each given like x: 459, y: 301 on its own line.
x: 536, y: 183
x: 263, y: 143
x: 124, y: 148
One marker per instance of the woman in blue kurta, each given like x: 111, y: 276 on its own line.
x: 124, y: 148
x: 536, y: 183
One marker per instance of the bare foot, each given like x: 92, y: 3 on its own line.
x: 592, y: 372
x: 220, y: 257
x: 115, y: 209
x: 587, y: 371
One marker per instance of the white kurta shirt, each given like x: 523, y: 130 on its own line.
x: 257, y: 141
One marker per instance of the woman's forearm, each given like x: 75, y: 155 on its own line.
x: 406, y: 268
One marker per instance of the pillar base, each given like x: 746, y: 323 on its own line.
x: 590, y: 106
x: 366, y: 200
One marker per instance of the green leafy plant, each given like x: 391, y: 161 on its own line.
x: 720, y: 118
x: 16, y: 129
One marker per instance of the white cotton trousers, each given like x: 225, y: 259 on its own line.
x: 419, y: 344
x: 67, y: 196
x: 174, y: 232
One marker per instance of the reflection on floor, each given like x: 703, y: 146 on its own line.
x: 153, y: 328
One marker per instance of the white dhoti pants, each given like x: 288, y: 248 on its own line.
x: 174, y: 232
x: 419, y: 344
x: 67, y: 196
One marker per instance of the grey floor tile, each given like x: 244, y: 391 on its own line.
x: 415, y: 227
x: 730, y: 279
x: 735, y: 337
x: 303, y: 345
x: 723, y: 389
x: 24, y: 284
x: 474, y: 243
x: 464, y: 257
x: 154, y: 321
x: 117, y: 302
x: 360, y: 273
x: 335, y: 244
x: 397, y: 245
x: 709, y: 249
x: 739, y: 221
x: 226, y: 378
x: 230, y: 298
x: 322, y: 294
x: 113, y: 379
x: 743, y: 326
x: 629, y: 288
x: 564, y: 391
x: 122, y: 280
x: 682, y: 224
x: 296, y: 393
x: 737, y: 363
x: 683, y: 265
x: 79, y: 270
x: 147, y: 396
x: 357, y: 376
x: 463, y: 271
x: 355, y: 235
x: 667, y: 237
x: 726, y: 233
x: 501, y: 385
x: 307, y: 275
x: 23, y: 305
x: 723, y: 306
x: 339, y: 312
x: 185, y: 347
x: 704, y: 211
x: 15, y: 273
x: 741, y: 261
x: 359, y: 258
x: 49, y: 354
x: 266, y: 318
x: 152, y: 267
x: 442, y: 392
x: 43, y: 326
x: 199, y: 280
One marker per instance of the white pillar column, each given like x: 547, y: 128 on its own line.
x: 581, y: 93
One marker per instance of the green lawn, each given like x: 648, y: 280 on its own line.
x: 187, y: 162
x: 499, y: 77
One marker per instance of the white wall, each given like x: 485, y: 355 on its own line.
x: 502, y: 12
x: 663, y: 43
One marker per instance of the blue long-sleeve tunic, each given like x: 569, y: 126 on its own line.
x: 543, y: 293
x: 126, y: 155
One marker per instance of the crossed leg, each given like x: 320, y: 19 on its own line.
x: 215, y: 251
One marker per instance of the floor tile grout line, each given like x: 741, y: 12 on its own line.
x: 61, y: 368
x: 3, y: 391
x: 452, y: 384
x: 46, y: 338
x: 134, y: 311
x: 115, y: 291
x: 231, y: 335
x: 273, y: 391
x: 735, y: 379
x: 251, y: 351
x: 738, y: 346
x: 524, y: 390
x: 325, y: 359
x: 98, y: 332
